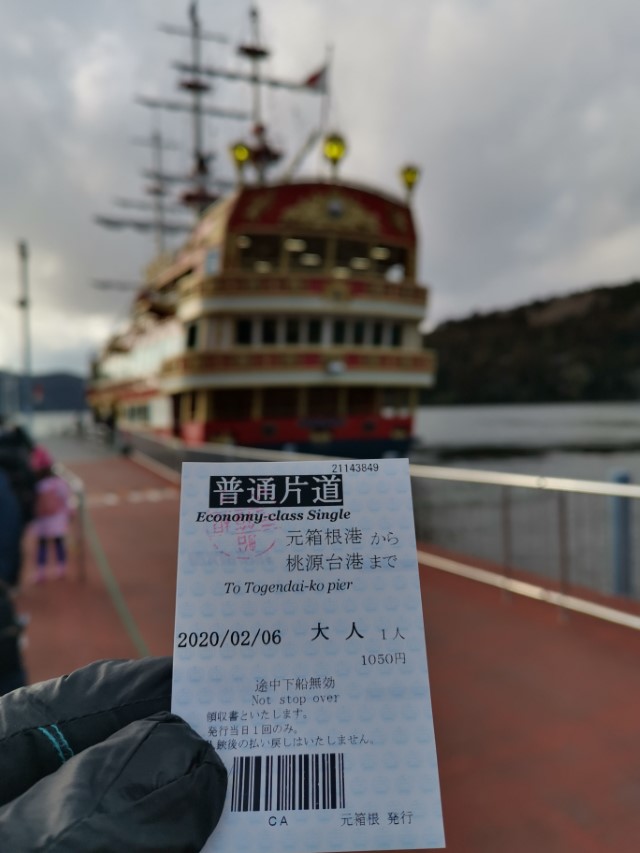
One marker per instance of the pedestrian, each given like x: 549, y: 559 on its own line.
x: 12, y: 672
x: 17, y: 500
x: 10, y: 531
x: 53, y: 512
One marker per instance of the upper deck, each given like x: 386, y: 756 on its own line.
x: 335, y: 231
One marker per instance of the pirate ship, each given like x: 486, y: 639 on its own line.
x: 289, y: 317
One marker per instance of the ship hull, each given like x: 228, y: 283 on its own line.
x: 358, y: 437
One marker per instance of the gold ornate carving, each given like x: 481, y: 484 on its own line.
x: 258, y: 205
x: 331, y: 210
x: 400, y: 220
x: 338, y: 290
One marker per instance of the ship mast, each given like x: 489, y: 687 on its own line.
x: 259, y: 152
x: 158, y: 224
x: 201, y: 189
x: 201, y: 193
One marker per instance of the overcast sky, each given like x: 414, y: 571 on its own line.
x: 524, y: 117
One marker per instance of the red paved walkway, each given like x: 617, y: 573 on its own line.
x: 536, y: 719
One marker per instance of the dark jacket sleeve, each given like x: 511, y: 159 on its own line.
x: 43, y: 725
x: 153, y: 787
x: 95, y: 762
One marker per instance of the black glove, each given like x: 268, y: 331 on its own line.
x: 94, y: 762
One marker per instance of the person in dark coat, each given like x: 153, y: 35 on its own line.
x: 12, y: 671
x: 16, y: 470
x: 94, y: 762
x: 11, y: 530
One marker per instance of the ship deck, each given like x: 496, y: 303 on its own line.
x: 536, y: 714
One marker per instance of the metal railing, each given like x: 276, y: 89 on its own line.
x: 80, y: 518
x: 572, y: 532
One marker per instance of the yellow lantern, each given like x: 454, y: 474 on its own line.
x: 409, y: 175
x: 334, y: 149
x: 241, y: 156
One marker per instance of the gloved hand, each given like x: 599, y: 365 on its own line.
x: 93, y: 762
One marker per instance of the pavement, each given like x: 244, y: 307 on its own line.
x: 536, y: 715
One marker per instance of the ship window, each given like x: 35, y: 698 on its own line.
x: 395, y: 401
x: 315, y: 331
x: 389, y: 261
x: 233, y: 404
x: 192, y: 335
x: 292, y: 332
x: 339, y: 331
x: 310, y: 259
x: 358, y: 332
x: 310, y: 255
x: 378, y: 329
x: 396, y: 335
x: 280, y: 403
x: 360, y: 263
x: 243, y: 331
x: 362, y: 401
x: 262, y: 254
x: 269, y: 331
x: 323, y: 403
x: 295, y: 244
x: 340, y: 272
x: 395, y: 274
x: 352, y: 254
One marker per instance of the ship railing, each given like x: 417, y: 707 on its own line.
x: 237, y: 284
x: 551, y: 537
x: 246, y: 359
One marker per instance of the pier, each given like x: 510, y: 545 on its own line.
x: 535, y: 707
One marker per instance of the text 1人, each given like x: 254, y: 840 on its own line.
x: 300, y: 654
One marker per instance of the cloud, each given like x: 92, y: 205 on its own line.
x: 101, y: 79
x: 525, y: 119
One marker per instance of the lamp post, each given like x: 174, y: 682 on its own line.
x: 23, y: 304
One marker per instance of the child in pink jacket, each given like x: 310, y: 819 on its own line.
x: 52, y: 516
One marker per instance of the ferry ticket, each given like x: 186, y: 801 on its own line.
x: 300, y: 654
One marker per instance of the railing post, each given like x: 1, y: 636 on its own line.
x: 505, y: 524
x: 621, y: 538
x: 563, y: 547
x: 81, y: 521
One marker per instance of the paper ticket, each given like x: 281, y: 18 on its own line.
x: 300, y: 654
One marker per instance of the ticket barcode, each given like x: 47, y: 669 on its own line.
x: 307, y: 782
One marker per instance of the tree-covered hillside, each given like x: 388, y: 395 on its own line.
x: 585, y: 346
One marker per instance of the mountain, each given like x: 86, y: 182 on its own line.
x: 580, y: 347
x: 52, y: 392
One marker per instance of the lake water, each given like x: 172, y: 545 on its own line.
x: 584, y: 440
x: 47, y: 424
